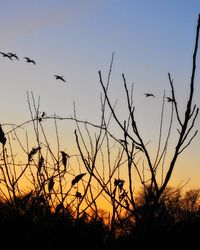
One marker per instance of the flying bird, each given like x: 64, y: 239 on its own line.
x: 60, y: 78
x: 28, y: 60
x: 6, y: 55
x: 169, y: 99
x: 148, y: 95
x: 13, y: 55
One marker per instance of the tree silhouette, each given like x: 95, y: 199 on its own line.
x: 63, y: 191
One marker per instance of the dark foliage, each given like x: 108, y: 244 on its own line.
x: 49, y: 217
x: 34, y: 226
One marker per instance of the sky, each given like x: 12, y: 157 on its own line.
x: 76, y: 39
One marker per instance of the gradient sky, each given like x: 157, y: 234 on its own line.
x: 76, y: 38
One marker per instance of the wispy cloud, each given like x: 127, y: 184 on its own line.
x: 23, y: 19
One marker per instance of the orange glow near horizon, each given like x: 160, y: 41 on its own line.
x: 75, y: 165
x: 71, y: 39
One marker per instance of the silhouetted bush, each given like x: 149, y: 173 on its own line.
x: 61, y: 211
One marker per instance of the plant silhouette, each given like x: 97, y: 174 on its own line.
x: 2, y: 136
x: 59, y: 206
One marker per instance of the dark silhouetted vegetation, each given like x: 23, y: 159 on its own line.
x: 51, y: 198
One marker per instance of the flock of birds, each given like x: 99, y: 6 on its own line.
x: 169, y: 99
x: 28, y: 60
x: 58, y: 77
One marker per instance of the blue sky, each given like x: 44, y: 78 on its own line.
x: 77, y: 38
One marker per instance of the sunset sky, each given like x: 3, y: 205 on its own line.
x: 76, y: 38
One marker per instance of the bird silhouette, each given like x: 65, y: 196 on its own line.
x: 169, y: 99
x: 28, y: 60
x: 60, y: 78
x: 148, y: 95
x: 6, y: 55
x: 13, y: 55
